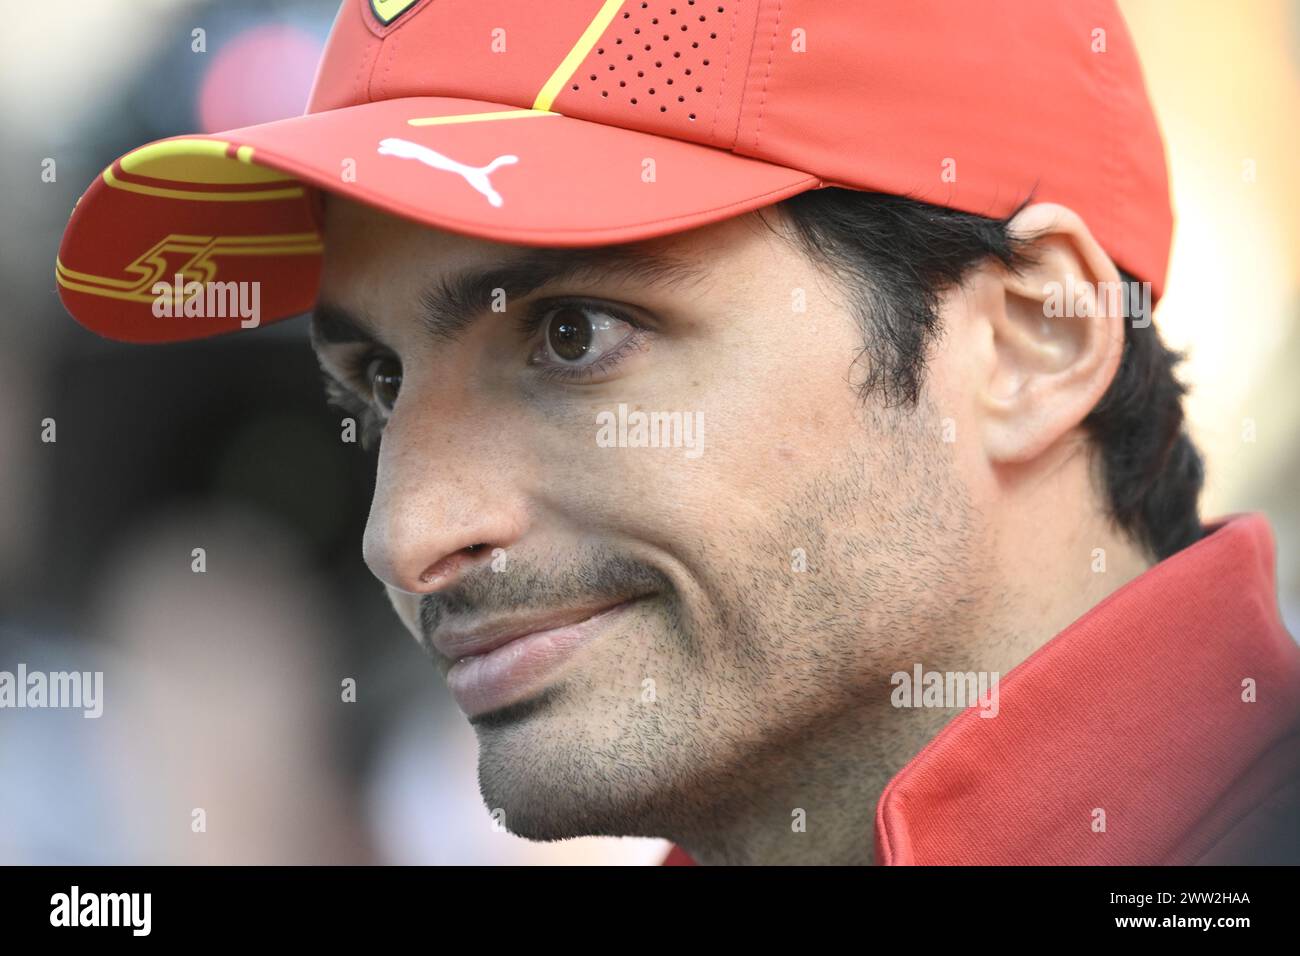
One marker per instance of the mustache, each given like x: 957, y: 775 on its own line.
x: 522, y: 586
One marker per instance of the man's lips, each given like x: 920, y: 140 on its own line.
x: 511, y: 660
x: 455, y: 644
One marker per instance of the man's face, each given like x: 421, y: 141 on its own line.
x: 695, y: 612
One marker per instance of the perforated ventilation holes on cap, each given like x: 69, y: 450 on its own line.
x: 655, y: 56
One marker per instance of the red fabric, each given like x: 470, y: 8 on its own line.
x: 738, y: 103
x: 1136, y: 708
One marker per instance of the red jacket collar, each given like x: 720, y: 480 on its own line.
x: 1134, y: 711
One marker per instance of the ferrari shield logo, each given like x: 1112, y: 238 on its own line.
x: 386, y: 11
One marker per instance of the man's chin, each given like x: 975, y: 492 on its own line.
x: 541, y: 778
x: 547, y: 811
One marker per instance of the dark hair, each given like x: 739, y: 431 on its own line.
x: 900, y: 255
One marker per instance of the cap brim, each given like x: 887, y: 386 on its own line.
x: 239, y: 207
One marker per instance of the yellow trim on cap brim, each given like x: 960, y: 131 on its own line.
x: 205, y: 161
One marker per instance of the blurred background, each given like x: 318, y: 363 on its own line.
x: 223, y: 690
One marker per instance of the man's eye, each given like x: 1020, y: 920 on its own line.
x: 576, y: 336
x: 384, y: 378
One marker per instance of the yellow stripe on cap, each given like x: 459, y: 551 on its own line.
x: 477, y: 117
x: 579, y: 53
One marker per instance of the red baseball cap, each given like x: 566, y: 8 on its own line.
x: 591, y: 122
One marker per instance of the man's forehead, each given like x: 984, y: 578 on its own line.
x: 358, y: 236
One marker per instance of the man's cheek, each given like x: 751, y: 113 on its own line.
x: 618, y: 464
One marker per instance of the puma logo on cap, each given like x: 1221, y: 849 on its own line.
x: 476, y: 176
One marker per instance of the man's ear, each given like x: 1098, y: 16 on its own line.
x: 1053, y: 334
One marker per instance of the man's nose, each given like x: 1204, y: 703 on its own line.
x: 443, y: 505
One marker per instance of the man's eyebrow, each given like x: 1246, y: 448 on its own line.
x: 334, y: 325
x: 453, y: 303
